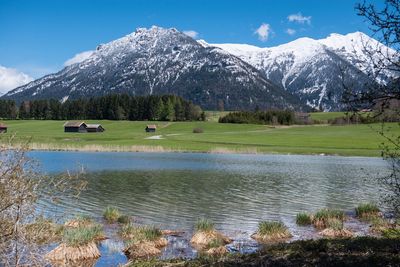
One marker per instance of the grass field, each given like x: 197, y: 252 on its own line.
x: 352, y: 140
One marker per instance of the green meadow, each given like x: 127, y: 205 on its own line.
x: 349, y: 140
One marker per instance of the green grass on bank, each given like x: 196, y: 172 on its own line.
x: 349, y: 140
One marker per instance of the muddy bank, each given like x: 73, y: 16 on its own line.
x: 360, y: 251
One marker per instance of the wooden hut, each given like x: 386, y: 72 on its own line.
x: 94, y: 128
x: 151, y: 128
x: 75, y: 127
x: 3, y: 128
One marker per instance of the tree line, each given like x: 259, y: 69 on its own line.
x: 283, y: 117
x: 109, y: 107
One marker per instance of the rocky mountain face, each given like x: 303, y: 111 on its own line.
x: 300, y: 74
x: 162, y: 61
x: 319, y: 71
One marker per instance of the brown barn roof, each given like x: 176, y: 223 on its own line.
x: 2, y: 125
x: 152, y: 126
x: 74, y: 124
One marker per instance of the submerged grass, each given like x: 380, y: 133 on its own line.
x: 80, y: 236
x: 204, y: 225
x: 303, y: 218
x: 111, y: 214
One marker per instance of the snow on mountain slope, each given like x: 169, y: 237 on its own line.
x: 315, y: 70
x: 162, y: 61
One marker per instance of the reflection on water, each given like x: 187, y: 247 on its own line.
x: 173, y: 190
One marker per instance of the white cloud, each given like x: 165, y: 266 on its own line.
x: 78, y: 58
x: 290, y: 31
x: 191, y: 33
x: 12, y: 78
x: 263, y: 31
x: 299, y: 18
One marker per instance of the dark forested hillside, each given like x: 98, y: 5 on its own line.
x: 110, y: 107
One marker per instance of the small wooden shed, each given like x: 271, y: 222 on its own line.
x: 94, y: 128
x: 75, y: 127
x: 151, y: 128
x: 3, y: 128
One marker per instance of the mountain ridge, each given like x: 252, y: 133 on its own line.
x: 304, y: 72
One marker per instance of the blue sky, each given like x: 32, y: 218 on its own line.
x: 38, y: 36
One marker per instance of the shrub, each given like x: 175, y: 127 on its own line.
x: 367, y: 210
x: 204, y: 225
x: 272, y: 228
x: 303, y: 218
x: 111, y: 214
x: 198, y: 130
x: 76, y: 237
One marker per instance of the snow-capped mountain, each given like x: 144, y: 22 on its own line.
x: 162, y: 61
x: 318, y: 71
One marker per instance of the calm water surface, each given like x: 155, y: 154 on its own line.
x: 173, y: 190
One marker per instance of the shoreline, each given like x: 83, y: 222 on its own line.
x: 161, y: 149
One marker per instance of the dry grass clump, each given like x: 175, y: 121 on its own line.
x: 217, y: 251
x: 367, y: 211
x: 43, y: 231
x: 335, y: 228
x: 271, y: 231
x: 79, y: 221
x: 206, y: 236
x: 142, y: 241
x: 67, y: 254
x: 303, y: 218
x: 78, y: 244
x: 322, y: 216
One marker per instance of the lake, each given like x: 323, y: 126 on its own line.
x: 173, y: 190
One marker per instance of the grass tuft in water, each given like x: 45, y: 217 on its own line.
x: 272, y: 228
x: 303, y: 218
x: 136, y: 233
x: 204, y: 225
x: 79, y: 236
x: 111, y: 214
x: 367, y: 211
x: 322, y: 216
